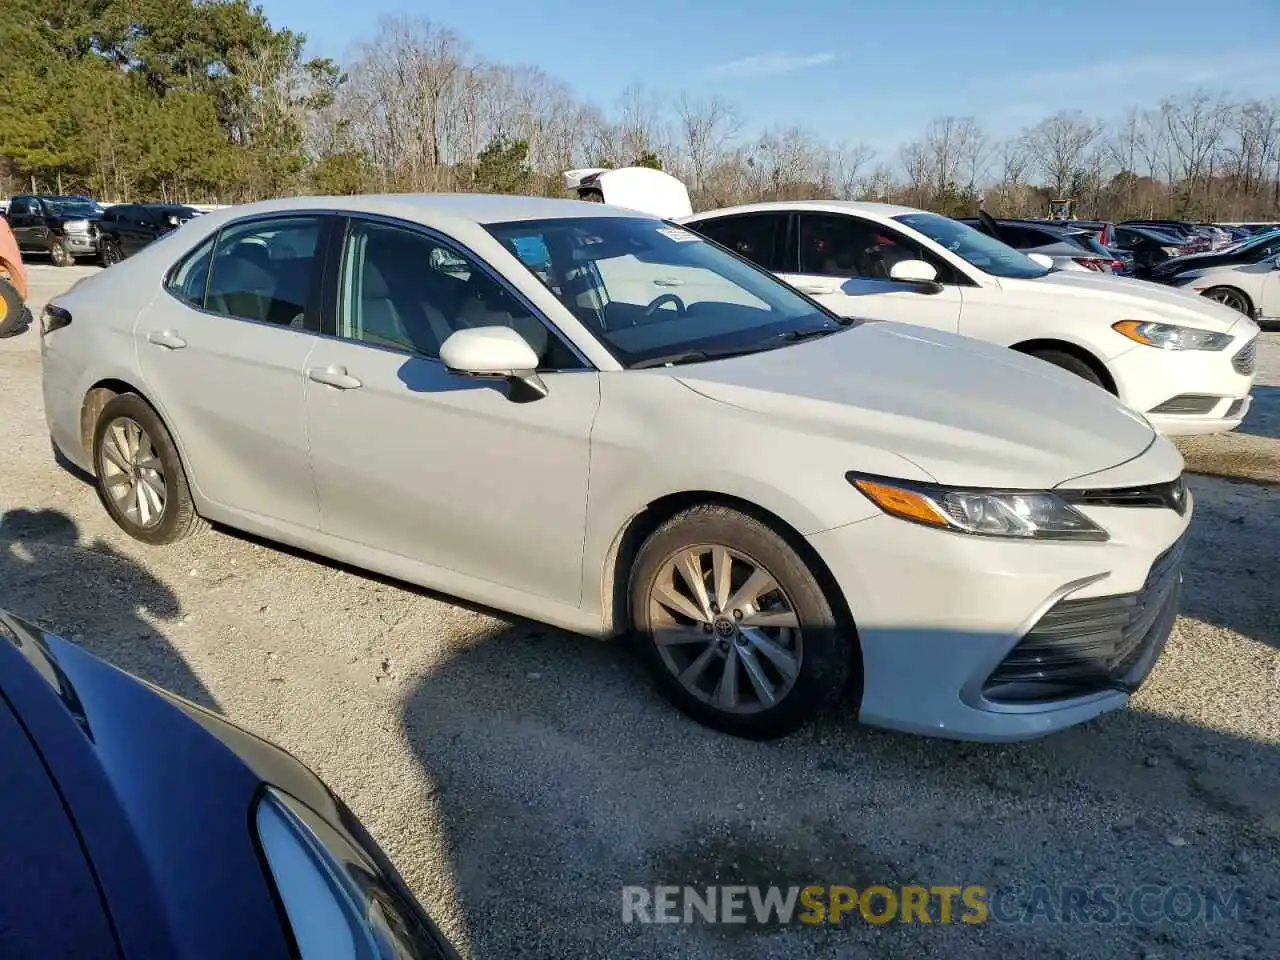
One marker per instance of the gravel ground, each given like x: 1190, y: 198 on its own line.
x: 520, y: 776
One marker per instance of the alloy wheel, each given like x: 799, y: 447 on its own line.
x: 725, y: 629
x: 132, y: 472
x: 1229, y: 298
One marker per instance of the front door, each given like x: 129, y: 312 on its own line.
x: 442, y: 469
x: 223, y: 349
x: 26, y: 220
x: 844, y: 262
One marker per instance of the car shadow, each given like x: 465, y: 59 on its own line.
x: 1263, y: 418
x: 90, y: 593
x: 558, y: 776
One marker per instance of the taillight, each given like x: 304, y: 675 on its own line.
x: 1117, y: 266
x: 53, y: 318
x: 1091, y: 263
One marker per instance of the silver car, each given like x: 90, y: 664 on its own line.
x: 598, y: 419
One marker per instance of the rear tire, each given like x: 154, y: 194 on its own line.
x: 765, y: 652
x: 1071, y: 363
x: 13, y: 312
x: 1231, y: 297
x: 139, y: 475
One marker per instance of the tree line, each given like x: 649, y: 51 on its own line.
x: 204, y: 100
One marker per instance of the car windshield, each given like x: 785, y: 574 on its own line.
x: 648, y: 289
x: 974, y: 247
x: 1088, y: 241
x: 74, y: 207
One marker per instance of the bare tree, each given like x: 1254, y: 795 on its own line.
x: 1195, y: 125
x: 1060, y: 147
x: 707, y: 126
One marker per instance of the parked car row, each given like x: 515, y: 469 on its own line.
x: 67, y: 228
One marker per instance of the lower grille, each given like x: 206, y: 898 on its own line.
x: 1082, y: 646
x: 1245, y: 360
x: 1234, y: 408
x: 1188, y: 403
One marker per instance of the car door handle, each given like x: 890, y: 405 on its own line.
x: 167, y: 339
x: 815, y: 289
x: 334, y: 377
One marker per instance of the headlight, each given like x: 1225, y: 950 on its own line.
x: 337, y: 904
x: 76, y: 226
x: 1020, y: 514
x: 1169, y: 336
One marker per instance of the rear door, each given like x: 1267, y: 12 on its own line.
x: 843, y: 262
x: 223, y: 350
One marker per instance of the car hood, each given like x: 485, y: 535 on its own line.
x: 1124, y: 298
x: 965, y: 412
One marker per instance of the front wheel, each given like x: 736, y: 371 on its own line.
x: 110, y: 253
x: 735, y: 627
x: 60, y: 253
x: 140, y: 478
x: 1071, y: 363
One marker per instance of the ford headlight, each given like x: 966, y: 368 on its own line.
x: 1018, y: 514
x: 76, y: 226
x: 1169, y: 336
x: 333, y: 894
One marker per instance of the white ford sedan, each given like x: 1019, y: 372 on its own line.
x: 594, y: 418
x: 1184, y: 362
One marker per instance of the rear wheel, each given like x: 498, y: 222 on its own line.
x: 734, y: 625
x: 60, y: 253
x: 140, y: 478
x: 1071, y: 363
x: 1237, y: 300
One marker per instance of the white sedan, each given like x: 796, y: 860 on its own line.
x: 1244, y: 277
x: 1184, y: 362
x: 591, y: 417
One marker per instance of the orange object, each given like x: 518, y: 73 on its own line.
x: 11, y: 260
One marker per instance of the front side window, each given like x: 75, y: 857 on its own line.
x: 975, y: 248
x: 409, y: 291
x: 838, y: 245
x: 187, y: 281
x: 759, y: 237
x: 647, y: 289
x: 263, y: 270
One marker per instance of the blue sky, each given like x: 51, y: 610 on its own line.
x: 853, y: 70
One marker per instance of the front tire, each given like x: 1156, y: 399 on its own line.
x: 1071, y: 363
x: 109, y: 253
x: 736, y: 629
x: 60, y: 253
x: 1237, y: 300
x: 139, y: 475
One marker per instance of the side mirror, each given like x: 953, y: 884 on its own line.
x: 918, y: 273
x: 495, y: 353
x: 1042, y: 259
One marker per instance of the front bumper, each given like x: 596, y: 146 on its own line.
x: 938, y: 614
x: 81, y: 244
x: 1188, y: 392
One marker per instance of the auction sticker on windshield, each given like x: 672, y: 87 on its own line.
x: 680, y: 236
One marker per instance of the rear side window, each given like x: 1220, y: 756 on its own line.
x: 758, y: 237
x: 263, y: 270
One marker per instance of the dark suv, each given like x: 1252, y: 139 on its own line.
x: 62, y: 227
x: 128, y: 227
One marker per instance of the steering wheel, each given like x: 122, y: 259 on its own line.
x: 659, y: 300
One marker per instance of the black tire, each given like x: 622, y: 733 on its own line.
x: 178, y: 518
x: 60, y: 253
x: 1071, y: 363
x: 1232, y: 297
x: 109, y: 252
x: 827, y: 647
x: 14, y: 317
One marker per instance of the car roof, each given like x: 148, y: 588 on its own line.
x: 882, y: 211
x: 473, y: 207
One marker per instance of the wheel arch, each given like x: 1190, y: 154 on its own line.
x: 1244, y: 294
x: 103, y: 392
x: 1083, y: 354
x: 626, y: 544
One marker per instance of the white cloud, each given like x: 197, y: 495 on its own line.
x: 1226, y: 68
x: 767, y: 64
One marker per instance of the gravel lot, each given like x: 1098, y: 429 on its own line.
x: 520, y: 776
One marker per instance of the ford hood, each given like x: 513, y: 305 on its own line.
x: 965, y: 412
x: 1123, y: 298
